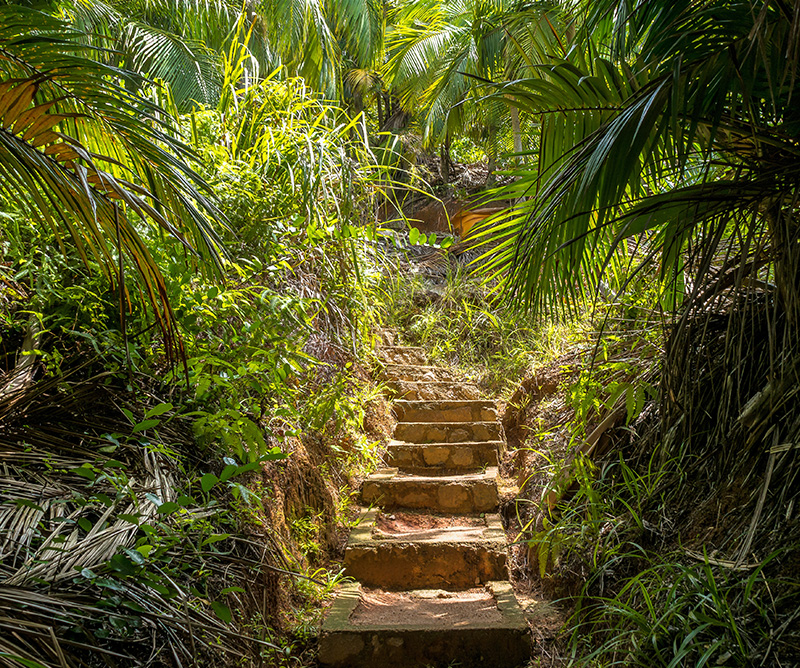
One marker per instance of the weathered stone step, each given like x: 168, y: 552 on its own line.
x: 438, y: 458
x: 463, y: 494
x: 418, y: 372
x: 432, y: 390
x: 420, y: 551
x: 447, y: 432
x: 388, y: 336
x: 478, y: 627
x: 470, y: 410
x: 403, y: 355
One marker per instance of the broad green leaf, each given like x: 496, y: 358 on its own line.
x: 222, y: 611
x: 158, y: 410
x: 208, y: 481
x: 167, y: 508
x: 145, y: 424
x: 229, y: 471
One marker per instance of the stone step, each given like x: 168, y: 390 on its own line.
x: 432, y: 390
x: 388, y: 336
x: 479, y: 627
x: 470, y: 410
x: 442, y: 458
x: 419, y: 372
x: 463, y: 494
x: 406, y: 355
x: 447, y: 432
x: 420, y: 551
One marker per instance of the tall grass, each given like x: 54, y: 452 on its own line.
x: 460, y: 323
x: 679, y: 614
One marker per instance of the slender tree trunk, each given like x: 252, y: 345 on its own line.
x: 515, y: 125
x: 777, y: 400
x: 785, y: 232
x: 491, y: 159
x: 444, y: 159
x: 381, y: 120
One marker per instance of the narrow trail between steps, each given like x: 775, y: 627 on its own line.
x: 429, y: 554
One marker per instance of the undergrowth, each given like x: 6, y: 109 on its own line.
x: 641, y: 597
x: 192, y: 512
x: 459, y: 322
x: 612, y: 530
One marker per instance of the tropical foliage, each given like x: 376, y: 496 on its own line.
x: 643, y: 132
x: 671, y: 154
x: 191, y: 196
x: 93, y: 161
x: 439, y: 53
x: 183, y: 42
x: 665, y: 181
x: 240, y: 224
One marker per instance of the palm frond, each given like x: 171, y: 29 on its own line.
x: 441, y: 52
x: 92, y: 160
x: 78, y: 490
x: 614, y: 141
x: 190, y: 68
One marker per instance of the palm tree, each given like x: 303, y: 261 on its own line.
x: 98, y: 164
x: 690, y: 136
x: 182, y: 41
x: 86, y: 150
x: 441, y: 53
x: 321, y: 41
x: 675, y: 143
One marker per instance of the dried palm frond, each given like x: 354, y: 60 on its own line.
x: 69, y: 507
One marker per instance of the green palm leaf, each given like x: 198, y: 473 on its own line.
x: 94, y: 161
x: 619, y: 144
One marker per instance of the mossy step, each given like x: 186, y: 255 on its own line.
x: 432, y: 390
x: 417, y: 551
x: 459, y: 410
x: 478, y: 627
x: 463, y: 494
x: 447, y: 432
x: 443, y: 458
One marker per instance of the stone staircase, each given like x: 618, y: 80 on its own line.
x: 429, y: 553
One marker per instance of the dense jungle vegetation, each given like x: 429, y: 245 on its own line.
x: 208, y: 215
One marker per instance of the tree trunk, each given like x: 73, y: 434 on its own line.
x: 777, y: 403
x: 515, y: 125
x: 491, y: 161
x: 444, y: 159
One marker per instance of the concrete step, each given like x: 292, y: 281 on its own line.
x: 463, y: 494
x: 439, y: 458
x: 420, y: 551
x: 470, y: 410
x: 447, y: 432
x: 406, y: 355
x: 419, y: 373
x: 432, y: 390
x: 478, y: 627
